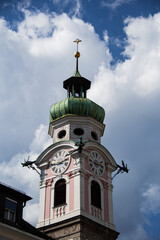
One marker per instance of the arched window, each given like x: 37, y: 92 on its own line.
x: 60, y: 193
x: 95, y: 194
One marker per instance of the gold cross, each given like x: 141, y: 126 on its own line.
x: 77, y: 41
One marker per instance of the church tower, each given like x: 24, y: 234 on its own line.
x: 76, y: 170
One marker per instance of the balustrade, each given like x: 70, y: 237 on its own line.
x: 59, y: 211
x: 96, y: 212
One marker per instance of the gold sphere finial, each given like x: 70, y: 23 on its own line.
x: 77, y: 54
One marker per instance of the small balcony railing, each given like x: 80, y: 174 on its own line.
x: 96, y: 212
x: 59, y: 211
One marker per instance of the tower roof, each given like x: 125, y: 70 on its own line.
x: 77, y: 102
x: 77, y: 106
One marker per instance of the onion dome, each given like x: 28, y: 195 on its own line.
x: 77, y: 102
x: 77, y: 106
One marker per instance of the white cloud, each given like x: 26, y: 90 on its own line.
x: 41, y: 139
x: 35, y: 60
x: 144, y: 51
x: 105, y: 36
x: 13, y: 174
x: 24, y: 178
x: 31, y: 208
x: 35, y: 25
x: 113, y: 4
x: 107, y: 84
x: 22, y: 5
x: 75, y: 7
x: 151, y: 204
x: 78, y: 9
x: 138, y: 234
x: 139, y: 74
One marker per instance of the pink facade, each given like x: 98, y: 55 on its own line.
x: 71, y: 166
x: 60, y: 211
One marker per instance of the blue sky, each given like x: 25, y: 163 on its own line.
x: 120, y: 54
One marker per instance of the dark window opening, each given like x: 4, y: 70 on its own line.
x: 94, y: 135
x: 79, y: 131
x: 95, y: 194
x: 62, y: 134
x: 60, y: 193
x: 10, y: 210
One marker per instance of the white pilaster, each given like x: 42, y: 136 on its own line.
x: 42, y: 201
x: 110, y: 203
x: 52, y: 200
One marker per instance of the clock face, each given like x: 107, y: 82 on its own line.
x: 60, y: 162
x: 96, y: 163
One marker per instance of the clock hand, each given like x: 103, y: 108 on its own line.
x: 64, y: 159
x: 96, y: 162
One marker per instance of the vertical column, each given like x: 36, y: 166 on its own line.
x: 110, y: 203
x: 73, y: 91
x: 68, y: 92
x: 67, y: 193
x: 82, y: 193
x: 81, y: 91
x: 71, y: 192
x: 87, y: 191
x: 106, y: 207
x: 52, y: 200
x: 77, y: 191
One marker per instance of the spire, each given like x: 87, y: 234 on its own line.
x: 77, y: 55
x: 77, y: 85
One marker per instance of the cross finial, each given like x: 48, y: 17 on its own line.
x: 77, y: 54
x: 77, y: 41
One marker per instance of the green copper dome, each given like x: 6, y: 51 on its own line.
x: 77, y: 106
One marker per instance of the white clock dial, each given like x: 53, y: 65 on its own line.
x: 96, y: 163
x: 60, y: 162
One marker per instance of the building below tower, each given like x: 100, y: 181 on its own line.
x: 12, y: 224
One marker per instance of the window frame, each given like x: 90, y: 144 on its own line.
x: 9, y: 212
